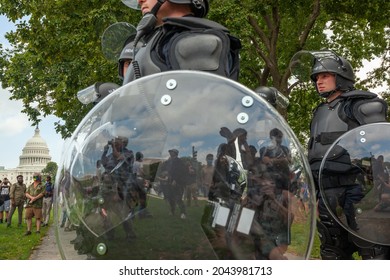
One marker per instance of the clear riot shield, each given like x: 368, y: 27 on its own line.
x: 239, y: 206
x: 358, y: 163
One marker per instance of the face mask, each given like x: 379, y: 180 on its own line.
x: 273, y: 142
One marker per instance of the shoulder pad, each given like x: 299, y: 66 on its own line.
x: 370, y: 111
x: 358, y: 94
x: 194, y: 22
x: 199, y: 51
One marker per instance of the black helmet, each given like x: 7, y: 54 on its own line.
x: 200, y: 8
x: 139, y: 155
x: 275, y: 132
x: 332, y: 63
x: 268, y: 93
x: 272, y: 96
x: 127, y: 53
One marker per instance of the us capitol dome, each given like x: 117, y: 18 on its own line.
x: 34, y: 158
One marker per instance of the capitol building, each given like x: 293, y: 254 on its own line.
x: 34, y: 158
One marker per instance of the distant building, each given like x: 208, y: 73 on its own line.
x: 34, y: 158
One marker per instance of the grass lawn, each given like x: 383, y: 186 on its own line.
x: 14, y: 245
x: 161, y: 237
x: 169, y: 237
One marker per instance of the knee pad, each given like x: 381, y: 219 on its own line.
x: 371, y: 251
x: 329, y: 252
x: 334, y: 245
x: 376, y: 252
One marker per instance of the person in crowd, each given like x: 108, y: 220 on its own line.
x: 237, y: 145
x: 47, y: 201
x: 270, y: 196
x: 1, y: 201
x: 34, y: 194
x: 191, y: 190
x: 99, y: 171
x: 207, y: 174
x: 6, y: 205
x: 119, y: 162
x: 141, y: 185
x: 119, y: 166
x: 343, y: 109
x: 277, y: 158
x: 138, y: 168
x: 382, y: 180
x: 18, y: 197
x: 176, y: 172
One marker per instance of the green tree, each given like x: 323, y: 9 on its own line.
x: 273, y: 31
x: 56, y: 52
x: 51, y: 169
x: 56, y: 48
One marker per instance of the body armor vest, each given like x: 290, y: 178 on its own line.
x: 326, y: 127
x: 346, y: 112
x: 187, y: 43
x: 143, y: 64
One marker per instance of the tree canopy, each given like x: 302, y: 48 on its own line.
x: 56, y: 48
x: 50, y: 169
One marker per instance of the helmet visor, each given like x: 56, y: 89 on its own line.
x: 114, y: 39
x: 132, y: 4
x: 306, y: 63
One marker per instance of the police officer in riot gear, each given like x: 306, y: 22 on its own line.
x: 139, y: 111
x: 344, y: 109
x: 272, y: 96
x: 268, y: 93
x: 179, y: 38
x: 125, y: 59
x: 127, y: 56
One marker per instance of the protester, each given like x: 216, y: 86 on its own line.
x: 5, y: 198
x: 18, y: 197
x: 47, y: 201
x: 34, y: 194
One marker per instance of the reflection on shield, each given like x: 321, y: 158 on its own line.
x: 173, y: 204
x: 354, y: 182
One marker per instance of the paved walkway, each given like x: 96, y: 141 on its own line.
x: 48, y: 250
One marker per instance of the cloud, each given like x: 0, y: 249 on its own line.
x: 13, y: 125
x: 13, y: 121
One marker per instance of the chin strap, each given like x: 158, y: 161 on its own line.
x: 328, y: 93
x: 146, y: 24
